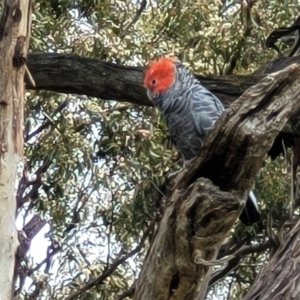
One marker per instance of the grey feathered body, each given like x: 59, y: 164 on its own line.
x: 189, y: 110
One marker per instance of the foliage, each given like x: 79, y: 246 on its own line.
x: 98, y: 165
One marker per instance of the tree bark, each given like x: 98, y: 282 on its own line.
x: 204, y: 204
x: 14, y: 40
x: 279, y: 278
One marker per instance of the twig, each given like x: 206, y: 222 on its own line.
x: 234, y: 262
x: 135, y: 19
x: 49, y: 120
x: 30, y: 230
x: 51, y: 251
x: 114, y: 266
x: 36, y: 184
x: 29, y: 76
x: 242, y: 42
x: 129, y: 293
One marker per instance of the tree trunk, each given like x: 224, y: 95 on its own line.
x: 14, y: 40
x: 209, y: 194
x: 279, y: 279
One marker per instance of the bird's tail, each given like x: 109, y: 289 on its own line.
x: 250, y: 214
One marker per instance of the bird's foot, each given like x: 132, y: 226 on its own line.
x: 172, y: 175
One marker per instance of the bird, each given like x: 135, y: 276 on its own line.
x: 189, y: 111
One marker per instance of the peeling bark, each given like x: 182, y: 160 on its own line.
x: 208, y: 196
x: 14, y: 39
x: 279, y: 278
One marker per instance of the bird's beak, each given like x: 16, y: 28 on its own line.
x: 149, y: 94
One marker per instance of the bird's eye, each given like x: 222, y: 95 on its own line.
x: 153, y: 82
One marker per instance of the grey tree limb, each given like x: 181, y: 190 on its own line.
x: 68, y: 73
x: 204, y: 204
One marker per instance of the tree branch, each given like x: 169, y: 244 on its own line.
x: 48, y: 122
x: 234, y: 262
x: 113, y: 266
x: 137, y: 16
x: 279, y: 279
x: 199, y: 214
x: 64, y: 73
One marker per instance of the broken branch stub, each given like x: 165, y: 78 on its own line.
x: 187, y: 239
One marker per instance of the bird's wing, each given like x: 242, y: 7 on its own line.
x: 206, y: 109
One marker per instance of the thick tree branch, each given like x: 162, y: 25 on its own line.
x: 86, y: 76
x: 279, y: 279
x: 199, y: 214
